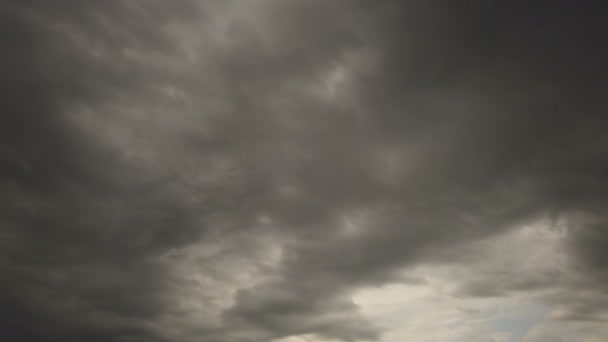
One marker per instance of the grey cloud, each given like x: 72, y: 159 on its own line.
x: 293, y: 309
x: 131, y: 131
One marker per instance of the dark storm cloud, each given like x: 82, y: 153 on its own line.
x: 368, y: 137
x: 498, y: 107
x: 79, y: 224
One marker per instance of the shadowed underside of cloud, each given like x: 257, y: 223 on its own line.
x: 237, y: 170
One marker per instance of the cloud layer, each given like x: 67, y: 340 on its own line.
x: 238, y: 171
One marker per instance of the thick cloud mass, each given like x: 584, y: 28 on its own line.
x: 237, y: 171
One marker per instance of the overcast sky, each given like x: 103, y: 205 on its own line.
x: 303, y: 171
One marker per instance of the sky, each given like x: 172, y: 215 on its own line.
x: 303, y: 171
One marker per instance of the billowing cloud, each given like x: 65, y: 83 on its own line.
x: 267, y: 170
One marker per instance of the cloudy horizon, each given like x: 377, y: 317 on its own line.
x: 303, y: 171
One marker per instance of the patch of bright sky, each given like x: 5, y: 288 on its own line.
x: 435, y: 310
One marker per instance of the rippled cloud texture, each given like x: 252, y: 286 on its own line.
x: 303, y: 171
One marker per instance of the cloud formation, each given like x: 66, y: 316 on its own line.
x: 235, y: 171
